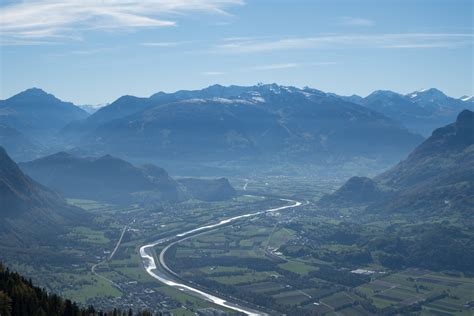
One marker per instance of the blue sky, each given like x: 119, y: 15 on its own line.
x: 91, y: 51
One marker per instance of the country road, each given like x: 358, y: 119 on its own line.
x: 118, y: 243
x: 110, y: 258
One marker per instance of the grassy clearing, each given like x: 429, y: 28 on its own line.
x: 91, y: 287
x: 338, y: 300
x: 280, y: 237
x: 263, y: 287
x: 87, y: 204
x: 210, y: 270
x: 182, y: 312
x: 245, y: 278
x: 291, y: 297
x: 297, y: 267
x: 88, y: 235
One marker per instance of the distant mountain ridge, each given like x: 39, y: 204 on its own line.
x: 438, y: 176
x: 91, y: 109
x: 16, y: 143
x: 37, y: 113
x: 420, y: 111
x: 254, y: 123
x: 266, y: 124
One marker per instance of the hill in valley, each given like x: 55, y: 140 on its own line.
x: 111, y: 179
x: 208, y: 189
x: 105, y: 178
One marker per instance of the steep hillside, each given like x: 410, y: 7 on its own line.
x: 438, y: 176
x: 30, y: 212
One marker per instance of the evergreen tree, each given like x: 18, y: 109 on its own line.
x: 5, y: 304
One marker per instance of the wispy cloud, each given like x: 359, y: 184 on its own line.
x: 289, y: 65
x: 276, y: 66
x: 51, y: 19
x: 402, y: 40
x: 428, y: 45
x: 269, y: 67
x: 165, y: 44
x: 161, y: 44
x: 86, y: 52
x: 352, y: 21
x: 213, y: 73
x: 23, y: 42
x: 92, y: 51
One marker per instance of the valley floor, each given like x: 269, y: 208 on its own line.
x: 298, y: 261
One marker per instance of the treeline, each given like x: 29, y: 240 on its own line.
x: 19, y: 297
x: 434, y: 247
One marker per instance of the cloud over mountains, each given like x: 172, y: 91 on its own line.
x: 51, y: 19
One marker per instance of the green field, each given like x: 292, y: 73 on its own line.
x: 90, y: 287
x: 298, y: 267
x: 295, y: 262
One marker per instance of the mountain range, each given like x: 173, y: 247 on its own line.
x: 253, y: 124
x: 256, y: 126
x: 437, y: 177
x: 420, y: 111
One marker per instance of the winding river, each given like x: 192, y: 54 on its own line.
x: 146, y: 253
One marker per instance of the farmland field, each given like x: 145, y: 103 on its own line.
x: 298, y: 261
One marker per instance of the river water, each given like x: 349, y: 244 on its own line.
x: 146, y: 253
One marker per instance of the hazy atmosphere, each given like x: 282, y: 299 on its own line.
x: 231, y: 157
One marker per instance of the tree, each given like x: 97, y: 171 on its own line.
x: 5, y: 304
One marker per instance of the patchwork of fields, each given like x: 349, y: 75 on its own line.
x: 290, y: 262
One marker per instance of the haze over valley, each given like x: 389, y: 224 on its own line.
x: 236, y: 157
